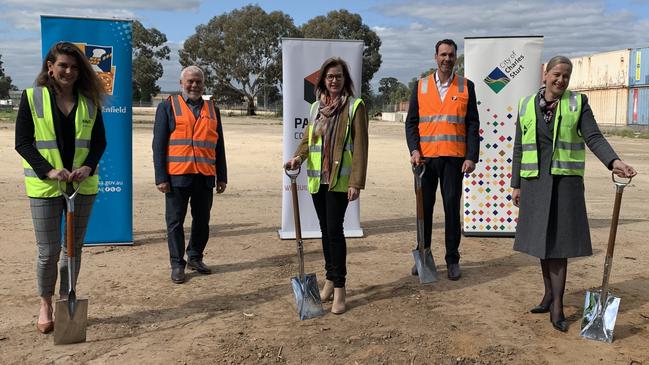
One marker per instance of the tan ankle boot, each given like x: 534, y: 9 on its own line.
x: 327, y: 291
x: 338, y: 306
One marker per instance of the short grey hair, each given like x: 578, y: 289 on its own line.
x: 556, y: 60
x: 193, y: 69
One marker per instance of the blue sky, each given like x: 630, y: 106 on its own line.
x: 408, y: 28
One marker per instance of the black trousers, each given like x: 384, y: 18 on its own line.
x: 448, y: 172
x: 330, y: 207
x: 200, y: 197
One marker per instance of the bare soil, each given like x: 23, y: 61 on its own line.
x: 244, y: 313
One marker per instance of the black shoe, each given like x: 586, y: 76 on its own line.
x: 540, y: 309
x: 178, y: 275
x: 560, y: 325
x: 413, y: 271
x: 453, y: 271
x: 199, y: 266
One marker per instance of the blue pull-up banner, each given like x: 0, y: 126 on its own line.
x: 107, y: 44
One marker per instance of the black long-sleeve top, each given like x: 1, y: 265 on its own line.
x: 64, y: 127
x: 472, y: 122
x: 165, y: 124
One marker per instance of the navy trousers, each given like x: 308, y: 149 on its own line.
x: 448, y: 172
x: 199, y: 196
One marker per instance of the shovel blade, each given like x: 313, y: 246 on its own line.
x: 425, y: 264
x: 307, y: 296
x: 598, y: 323
x: 70, y: 327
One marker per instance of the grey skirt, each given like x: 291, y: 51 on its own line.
x: 552, y: 219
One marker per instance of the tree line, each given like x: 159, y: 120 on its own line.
x: 5, y: 83
x: 392, y: 91
x: 240, y: 52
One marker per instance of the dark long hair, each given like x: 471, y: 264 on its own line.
x: 321, y: 88
x: 88, y: 83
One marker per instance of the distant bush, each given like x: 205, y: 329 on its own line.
x: 7, y: 115
x: 629, y: 132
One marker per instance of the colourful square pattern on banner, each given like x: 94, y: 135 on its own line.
x: 488, y: 203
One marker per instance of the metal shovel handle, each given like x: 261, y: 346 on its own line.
x: 293, y: 173
x: 69, y: 198
x: 620, y: 184
x: 418, y: 171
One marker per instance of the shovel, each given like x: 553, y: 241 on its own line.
x: 72, y: 313
x: 600, y: 307
x: 424, y: 261
x: 305, y: 286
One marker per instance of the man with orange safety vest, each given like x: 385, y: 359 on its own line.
x: 189, y: 162
x: 442, y: 131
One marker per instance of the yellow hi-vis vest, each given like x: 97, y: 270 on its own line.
x: 568, y: 148
x: 340, y: 172
x: 45, y: 141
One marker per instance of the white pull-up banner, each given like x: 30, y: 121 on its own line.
x: 504, y: 69
x: 301, y: 61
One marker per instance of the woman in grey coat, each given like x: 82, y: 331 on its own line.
x: 547, y: 177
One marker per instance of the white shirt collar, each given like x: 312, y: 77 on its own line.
x: 447, y: 83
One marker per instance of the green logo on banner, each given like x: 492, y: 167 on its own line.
x: 496, y: 80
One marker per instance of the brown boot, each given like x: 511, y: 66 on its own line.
x: 338, y: 306
x: 327, y: 291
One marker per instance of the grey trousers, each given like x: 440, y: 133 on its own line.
x: 46, y: 215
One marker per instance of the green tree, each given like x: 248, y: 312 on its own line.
x: 240, y: 52
x: 5, y: 83
x: 459, y: 65
x: 387, y: 85
x: 399, y: 94
x: 148, y: 51
x: 392, y: 91
x: 342, y: 24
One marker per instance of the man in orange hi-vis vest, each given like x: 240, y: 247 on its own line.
x: 189, y: 162
x: 442, y: 131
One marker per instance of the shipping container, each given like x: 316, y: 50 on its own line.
x: 601, y: 70
x: 639, y: 67
x: 610, y: 106
x: 639, y: 105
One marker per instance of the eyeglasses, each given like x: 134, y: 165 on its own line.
x: 331, y: 77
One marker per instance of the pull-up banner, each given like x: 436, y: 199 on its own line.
x: 107, y: 44
x: 301, y: 61
x: 504, y: 69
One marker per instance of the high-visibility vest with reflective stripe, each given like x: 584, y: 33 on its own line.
x: 340, y: 172
x: 442, y: 130
x: 192, y: 145
x: 40, y: 105
x: 568, y: 148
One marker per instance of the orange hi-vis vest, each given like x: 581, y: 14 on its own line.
x: 192, y: 145
x: 442, y: 130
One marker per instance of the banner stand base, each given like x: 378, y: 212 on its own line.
x: 85, y: 245
x: 489, y: 234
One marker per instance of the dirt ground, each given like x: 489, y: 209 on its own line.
x: 244, y: 313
